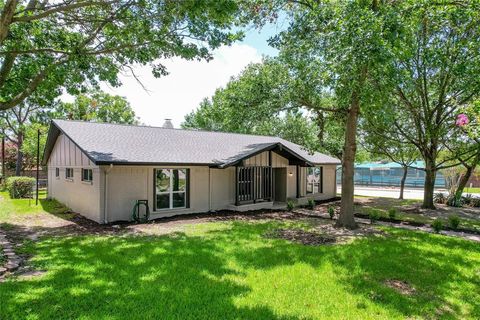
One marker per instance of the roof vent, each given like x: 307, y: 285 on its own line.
x: 168, y: 124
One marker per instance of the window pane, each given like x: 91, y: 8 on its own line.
x: 316, y: 174
x: 163, y: 201
x: 163, y: 180
x: 90, y: 175
x: 309, y: 188
x: 315, y: 188
x: 179, y: 179
x: 179, y: 200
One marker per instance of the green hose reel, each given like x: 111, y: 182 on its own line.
x: 136, y: 211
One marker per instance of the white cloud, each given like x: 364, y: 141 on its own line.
x: 188, y: 82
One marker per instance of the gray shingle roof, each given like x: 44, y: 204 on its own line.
x: 112, y: 143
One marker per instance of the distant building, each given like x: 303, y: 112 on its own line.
x: 389, y: 174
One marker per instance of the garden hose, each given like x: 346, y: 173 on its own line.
x: 136, y: 211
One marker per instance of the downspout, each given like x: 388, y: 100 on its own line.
x: 209, y: 190
x: 105, y: 193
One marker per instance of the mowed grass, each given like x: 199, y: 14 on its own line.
x: 17, y: 209
x: 229, y: 270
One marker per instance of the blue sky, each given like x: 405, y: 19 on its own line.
x: 189, y: 82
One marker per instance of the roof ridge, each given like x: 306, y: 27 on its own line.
x: 178, y: 129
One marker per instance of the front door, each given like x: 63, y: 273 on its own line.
x: 280, y: 184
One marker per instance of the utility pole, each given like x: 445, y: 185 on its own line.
x: 38, y: 163
x: 3, y: 159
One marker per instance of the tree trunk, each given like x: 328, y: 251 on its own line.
x: 402, y: 182
x: 463, y: 181
x: 19, y: 162
x: 430, y: 173
x: 346, y: 218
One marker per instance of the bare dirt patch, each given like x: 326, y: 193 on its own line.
x: 301, y: 236
x: 400, y: 286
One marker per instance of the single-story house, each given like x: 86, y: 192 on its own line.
x: 100, y: 170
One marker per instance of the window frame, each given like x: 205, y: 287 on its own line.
x: 90, y: 180
x: 319, y: 184
x: 67, y: 177
x: 57, y: 173
x: 170, y: 191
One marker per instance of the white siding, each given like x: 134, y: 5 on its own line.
x: 81, y: 197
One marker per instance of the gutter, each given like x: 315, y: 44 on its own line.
x: 105, y: 193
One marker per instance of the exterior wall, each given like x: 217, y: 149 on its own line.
x: 329, y: 185
x: 126, y: 184
x: 81, y: 197
x: 222, y: 188
x: 261, y: 159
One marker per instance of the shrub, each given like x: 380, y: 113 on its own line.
x: 20, y: 187
x: 475, y: 202
x: 331, y: 212
x: 439, y: 198
x: 374, y: 215
x: 290, y: 205
x: 453, y: 221
x: 467, y: 199
x: 392, y: 213
x: 454, y: 201
x: 311, y: 204
x: 437, y: 225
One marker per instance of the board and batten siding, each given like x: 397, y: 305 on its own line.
x: 82, y: 197
x: 262, y: 159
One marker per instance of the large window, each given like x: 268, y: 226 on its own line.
x: 171, y: 188
x: 314, y: 180
x: 87, y: 175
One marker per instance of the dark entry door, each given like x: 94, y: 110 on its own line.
x: 280, y: 184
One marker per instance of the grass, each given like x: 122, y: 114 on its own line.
x: 228, y: 270
x: 472, y: 190
x: 382, y: 205
x: 14, y: 209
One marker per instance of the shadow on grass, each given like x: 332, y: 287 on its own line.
x: 198, y: 276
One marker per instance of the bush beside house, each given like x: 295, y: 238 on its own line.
x: 20, y: 187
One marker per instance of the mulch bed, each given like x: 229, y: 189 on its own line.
x: 302, y: 236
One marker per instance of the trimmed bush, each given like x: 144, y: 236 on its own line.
x: 453, y: 222
x: 392, y: 213
x: 311, y: 204
x: 374, y: 215
x: 475, y: 202
x: 20, y: 187
x: 290, y: 205
x: 437, y: 225
x: 331, y: 212
x: 439, y: 198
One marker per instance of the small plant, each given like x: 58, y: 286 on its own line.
x: 20, y: 187
x: 475, y: 202
x: 439, y: 198
x: 437, y: 225
x: 454, y: 201
x: 331, y: 212
x: 392, y: 213
x: 374, y: 215
x: 311, y: 204
x: 453, y: 222
x: 290, y: 205
x: 467, y: 199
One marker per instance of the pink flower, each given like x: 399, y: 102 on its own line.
x: 462, y: 120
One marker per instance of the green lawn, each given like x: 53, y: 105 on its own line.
x: 228, y: 270
x: 17, y: 209
x: 472, y: 190
x: 382, y: 205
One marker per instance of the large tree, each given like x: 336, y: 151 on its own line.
x: 337, y: 49
x: 436, y: 67
x: 96, y: 106
x: 50, y: 46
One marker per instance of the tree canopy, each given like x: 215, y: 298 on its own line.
x: 47, y: 47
